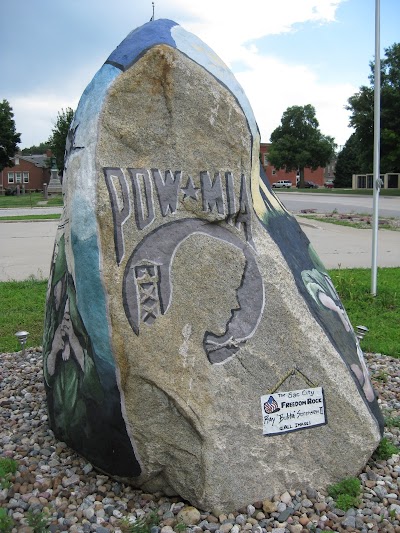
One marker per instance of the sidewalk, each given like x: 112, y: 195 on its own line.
x: 26, y: 248
x: 346, y: 247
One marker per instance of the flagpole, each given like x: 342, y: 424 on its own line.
x: 377, y: 132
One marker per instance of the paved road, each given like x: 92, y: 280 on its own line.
x: 26, y: 247
x: 326, y: 203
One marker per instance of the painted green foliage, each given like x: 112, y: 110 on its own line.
x: 68, y: 363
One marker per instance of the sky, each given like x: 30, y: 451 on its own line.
x: 282, y: 52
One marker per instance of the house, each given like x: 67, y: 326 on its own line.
x: 30, y: 172
x: 275, y: 174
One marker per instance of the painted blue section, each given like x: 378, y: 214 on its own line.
x: 92, y: 307
x: 140, y: 40
x: 91, y: 103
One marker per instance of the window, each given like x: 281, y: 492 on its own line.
x: 26, y: 177
x: 18, y: 177
x: 16, y: 161
x: 274, y: 172
x: 361, y: 182
x: 265, y: 159
x: 11, y: 177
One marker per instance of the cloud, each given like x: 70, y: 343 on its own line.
x: 235, y: 33
x: 228, y: 29
x: 272, y: 86
x: 270, y: 83
x: 35, y: 115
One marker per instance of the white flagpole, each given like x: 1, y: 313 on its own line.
x: 377, y: 134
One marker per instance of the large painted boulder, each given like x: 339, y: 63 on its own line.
x: 194, y: 343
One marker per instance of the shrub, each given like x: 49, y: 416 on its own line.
x: 385, y: 450
x: 346, y: 493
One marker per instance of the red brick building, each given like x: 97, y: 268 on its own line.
x: 275, y: 174
x: 29, y: 172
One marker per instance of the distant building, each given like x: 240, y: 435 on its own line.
x: 30, y: 172
x: 275, y: 174
x: 366, y: 181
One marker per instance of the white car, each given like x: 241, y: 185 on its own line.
x: 282, y: 184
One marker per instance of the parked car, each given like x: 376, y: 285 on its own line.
x: 308, y: 185
x: 329, y: 184
x: 282, y: 184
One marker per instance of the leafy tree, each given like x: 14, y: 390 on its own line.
x: 58, y: 137
x: 361, y: 106
x: 298, y: 143
x: 348, y: 162
x: 9, y: 138
x: 36, y: 149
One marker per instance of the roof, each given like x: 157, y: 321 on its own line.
x: 37, y: 160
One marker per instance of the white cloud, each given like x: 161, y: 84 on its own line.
x: 227, y: 27
x: 232, y: 31
x: 272, y: 86
x: 35, y: 116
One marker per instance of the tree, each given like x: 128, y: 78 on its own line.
x: 298, y: 143
x: 348, y: 162
x: 9, y: 138
x: 361, y: 106
x: 58, y: 137
x: 36, y: 149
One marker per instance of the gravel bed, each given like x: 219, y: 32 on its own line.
x: 54, y: 482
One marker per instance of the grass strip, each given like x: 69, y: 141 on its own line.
x: 31, y: 217
x: 388, y: 223
x: 34, y: 199
x: 22, y: 305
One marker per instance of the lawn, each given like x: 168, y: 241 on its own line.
x: 30, y: 217
x: 381, y: 314
x: 32, y: 199
x: 22, y: 307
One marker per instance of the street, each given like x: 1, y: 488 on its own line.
x: 326, y: 203
x: 27, y: 247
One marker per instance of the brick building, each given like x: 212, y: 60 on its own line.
x: 275, y: 174
x: 30, y: 172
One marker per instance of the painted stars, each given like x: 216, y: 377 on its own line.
x: 190, y: 191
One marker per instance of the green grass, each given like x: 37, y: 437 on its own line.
x: 29, y: 200
x: 22, y: 307
x: 31, y: 217
x: 385, y: 450
x: 380, y: 313
x: 346, y: 493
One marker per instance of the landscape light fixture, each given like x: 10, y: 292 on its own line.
x: 361, y: 331
x: 22, y: 336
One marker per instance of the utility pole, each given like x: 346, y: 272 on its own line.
x: 377, y: 135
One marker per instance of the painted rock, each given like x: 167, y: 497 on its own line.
x: 194, y: 343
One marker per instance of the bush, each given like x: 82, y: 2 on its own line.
x: 385, y: 450
x: 346, y: 493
